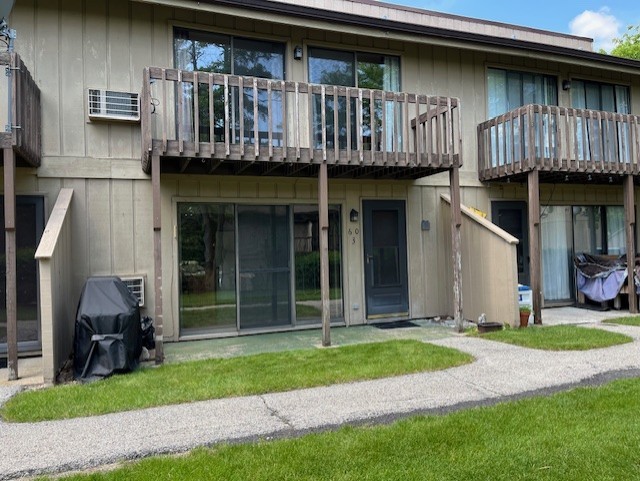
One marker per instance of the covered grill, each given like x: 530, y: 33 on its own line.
x: 108, y: 334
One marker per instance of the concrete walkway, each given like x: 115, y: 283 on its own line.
x: 500, y: 372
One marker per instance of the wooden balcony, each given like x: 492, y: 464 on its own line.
x: 200, y: 122
x: 564, y: 144
x: 24, y: 136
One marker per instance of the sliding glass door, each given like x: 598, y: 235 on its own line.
x: 557, y: 254
x: 264, y: 266
x: 245, y: 267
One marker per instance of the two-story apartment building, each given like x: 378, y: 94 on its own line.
x: 269, y: 165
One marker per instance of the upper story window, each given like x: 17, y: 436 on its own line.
x: 600, y: 96
x: 211, y: 52
x: 510, y: 89
x: 360, y: 70
x: 354, y: 69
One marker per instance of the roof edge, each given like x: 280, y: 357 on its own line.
x: 483, y: 21
x: 273, y: 7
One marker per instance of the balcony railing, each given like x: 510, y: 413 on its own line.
x: 252, y: 120
x: 24, y: 136
x: 558, y: 139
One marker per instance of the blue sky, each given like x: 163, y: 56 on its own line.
x: 601, y: 20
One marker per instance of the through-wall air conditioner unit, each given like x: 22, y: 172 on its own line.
x: 136, y: 286
x: 112, y: 105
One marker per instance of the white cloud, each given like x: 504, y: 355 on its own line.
x: 601, y: 26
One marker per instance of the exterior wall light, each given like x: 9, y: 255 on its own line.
x: 566, y: 84
x: 297, y: 52
x: 353, y: 215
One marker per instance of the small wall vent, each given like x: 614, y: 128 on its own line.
x: 112, y: 105
x: 136, y: 286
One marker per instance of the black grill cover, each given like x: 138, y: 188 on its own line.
x: 108, y: 334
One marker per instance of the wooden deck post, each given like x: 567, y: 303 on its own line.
x: 630, y: 225
x: 157, y: 255
x: 456, y: 247
x: 323, y: 210
x: 10, y: 261
x: 533, y: 186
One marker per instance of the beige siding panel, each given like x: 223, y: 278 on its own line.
x: 25, y: 183
x: 228, y: 188
x: 161, y: 45
x: 119, y: 73
x: 98, y: 229
x: 426, y: 69
x: 122, y: 221
x: 435, y: 255
x: 303, y: 190
x: 141, y: 55
x: 143, y: 232
x: 184, y: 15
x: 95, y: 72
x: 210, y: 188
x: 368, y: 190
x: 188, y: 187
x: 440, y: 71
x: 415, y: 253
x: 336, y: 190
x: 267, y: 189
x: 286, y: 190
x: 25, y: 18
x: 48, y: 78
x: 79, y: 232
x: 248, y: 190
x: 384, y: 191
x: 353, y: 273
x: 49, y: 188
x: 489, y: 287
x: 244, y: 24
x: 399, y: 190
x: 71, y: 79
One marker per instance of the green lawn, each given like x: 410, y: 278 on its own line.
x: 559, y: 338
x: 238, y: 376
x: 627, y: 321
x: 585, y: 434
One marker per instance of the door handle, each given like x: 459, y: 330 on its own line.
x: 369, y: 258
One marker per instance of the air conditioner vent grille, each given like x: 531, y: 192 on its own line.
x: 112, y: 105
x: 136, y: 286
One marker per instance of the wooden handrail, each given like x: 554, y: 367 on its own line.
x: 562, y: 139
x: 230, y: 117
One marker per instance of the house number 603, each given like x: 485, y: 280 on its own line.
x: 353, y: 234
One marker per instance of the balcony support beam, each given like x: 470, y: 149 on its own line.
x: 533, y: 186
x: 456, y: 247
x: 10, y: 264
x: 630, y: 225
x: 323, y: 210
x: 157, y: 255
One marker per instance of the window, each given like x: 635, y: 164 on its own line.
x: 510, y: 89
x: 361, y: 70
x: 210, y: 52
x: 507, y: 90
x: 600, y: 96
x: 306, y: 225
x: 607, y: 139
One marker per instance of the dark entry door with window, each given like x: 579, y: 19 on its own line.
x: 29, y: 227
x: 512, y: 217
x: 385, y: 257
